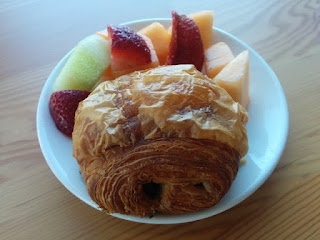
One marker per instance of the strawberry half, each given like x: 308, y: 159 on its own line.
x: 63, y: 105
x: 128, y: 49
x: 186, y: 44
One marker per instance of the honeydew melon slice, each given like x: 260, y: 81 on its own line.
x: 86, y: 64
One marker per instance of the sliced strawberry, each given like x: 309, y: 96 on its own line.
x: 186, y: 44
x: 173, y: 47
x: 128, y: 49
x: 63, y: 105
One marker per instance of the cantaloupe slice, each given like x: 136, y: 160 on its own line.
x: 107, y: 74
x: 154, y: 61
x: 216, y: 57
x: 159, y: 38
x: 169, y: 32
x: 104, y: 34
x: 204, y: 21
x: 235, y: 78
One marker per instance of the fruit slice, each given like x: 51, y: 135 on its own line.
x: 204, y: 21
x: 107, y: 74
x: 130, y: 51
x: 63, y: 105
x: 186, y: 44
x: 86, y: 64
x: 104, y: 34
x: 216, y: 57
x: 235, y: 78
x: 159, y: 38
x: 154, y: 61
x: 170, y: 32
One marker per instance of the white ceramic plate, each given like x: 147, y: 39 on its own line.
x: 267, y: 133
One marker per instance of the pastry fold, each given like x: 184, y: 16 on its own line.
x: 166, y: 139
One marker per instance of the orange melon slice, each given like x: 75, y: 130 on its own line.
x: 104, y: 34
x: 216, y: 58
x: 160, y: 39
x: 235, y: 78
x: 107, y: 75
x: 169, y: 32
x: 204, y: 21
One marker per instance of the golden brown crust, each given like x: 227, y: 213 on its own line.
x: 169, y: 175
x: 166, y: 139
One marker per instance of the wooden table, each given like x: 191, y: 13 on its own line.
x: 35, y: 35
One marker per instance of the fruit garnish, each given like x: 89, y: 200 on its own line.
x: 63, y: 105
x: 89, y: 59
x: 154, y: 61
x: 103, y: 33
x: 216, y: 58
x: 107, y: 75
x: 160, y: 39
x: 235, y: 78
x: 204, y: 21
x: 186, y: 44
x: 128, y: 49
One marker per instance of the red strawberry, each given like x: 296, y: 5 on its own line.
x: 63, y: 105
x: 186, y: 44
x: 128, y: 49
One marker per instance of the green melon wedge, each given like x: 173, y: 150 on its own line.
x: 86, y: 64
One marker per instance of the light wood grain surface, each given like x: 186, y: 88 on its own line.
x: 35, y: 35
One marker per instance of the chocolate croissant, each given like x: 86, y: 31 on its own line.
x: 166, y: 139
